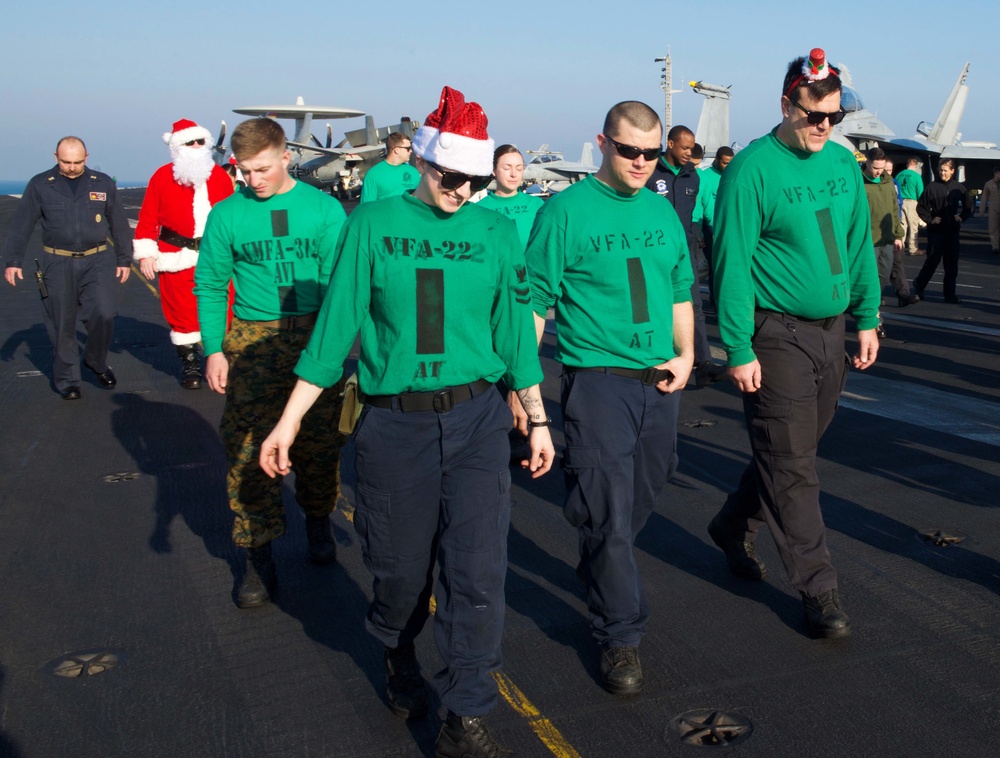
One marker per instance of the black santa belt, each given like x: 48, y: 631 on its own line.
x: 179, y: 240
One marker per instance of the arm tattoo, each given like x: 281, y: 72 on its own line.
x: 532, y: 406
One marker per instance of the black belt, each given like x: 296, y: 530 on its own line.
x: 645, y: 375
x: 822, y: 323
x: 287, y: 322
x: 442, y: 400
x: 179, y: 240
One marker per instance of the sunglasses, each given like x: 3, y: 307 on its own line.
x: 627, y: 151
x: 816, y: 117
x: 405, y: 147
x: 194, y: 142
x: 452, y: 180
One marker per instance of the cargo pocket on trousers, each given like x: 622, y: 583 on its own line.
x: 579, y: 464
x: 371, y: 523
x: 770, y: 427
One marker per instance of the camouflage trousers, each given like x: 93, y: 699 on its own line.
x: 261, y: 377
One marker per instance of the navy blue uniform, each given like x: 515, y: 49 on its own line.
x: 80, y: 287
x: 681, y: 189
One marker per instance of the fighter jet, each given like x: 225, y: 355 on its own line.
x: 551, y: 173
x: 338, y: 168
x: 861, y: 129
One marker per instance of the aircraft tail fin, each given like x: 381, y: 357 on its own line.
x: 945, y: 131
x: 371, y: 133
x: 219, y: 150
x: 587, y: 155
x: 713, y: 124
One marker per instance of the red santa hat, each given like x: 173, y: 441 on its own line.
x: 454, y: 136
x: 186, y: 130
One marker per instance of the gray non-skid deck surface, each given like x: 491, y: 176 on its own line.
x: 144, y: 565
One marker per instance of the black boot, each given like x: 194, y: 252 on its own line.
x: 467, y: 737
x: 259, y: 579
x: 824, y: 617
x: 190, y: 366
x: 405, y: 690
x: 322, y: 548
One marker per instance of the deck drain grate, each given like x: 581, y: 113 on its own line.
x: 122, y: 476
x: 86, y: 663
x: 698, y: 424
x: 710, y: 728
x: 940, y: 538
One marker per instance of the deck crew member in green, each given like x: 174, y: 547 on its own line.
x: 793, y: 253
x: 612, y: 258
x: 508, y: 171
x: 438, y: 289
x: 707, y: 191
x: 911, y: 187
x: 887, y: 229
x: 275, y: 239
x: 393, y: 176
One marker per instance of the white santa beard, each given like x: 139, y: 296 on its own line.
x: 192, y: 165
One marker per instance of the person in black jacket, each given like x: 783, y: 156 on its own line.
x: 676, y: 178
x: 943, y: 206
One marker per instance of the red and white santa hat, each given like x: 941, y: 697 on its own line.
x: 186, y: 130
x: 454, y: 136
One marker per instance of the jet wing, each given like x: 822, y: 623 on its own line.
x: 298, y: 111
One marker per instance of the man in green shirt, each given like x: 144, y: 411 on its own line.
x: 707, y: 192
x: 612, y: 259
x: 911, y: 187
x: 275, y: 240
x: 793, y: 252
x: 394, y: 175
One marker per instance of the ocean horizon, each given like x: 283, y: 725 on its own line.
x: 16, y: 186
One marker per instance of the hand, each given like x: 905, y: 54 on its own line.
x: 520, y: 417
x: 543, y: 452
x: 897, y: 246
x: 936, y: 220
x: 680, y: 371
x: 274, y: 450
x: 958, y: 219
x: 122, y: 273
x: 148, y: 268
x: 867, y: 349
x: 747, y: 377
x: 217, y: 372
x: 11, y: 273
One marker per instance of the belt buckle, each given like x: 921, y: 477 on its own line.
x: 78, y: 255
x: 443, y: 401
x: 649, y: 376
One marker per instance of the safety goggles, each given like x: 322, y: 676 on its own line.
x: 815, y: 118
x: 631, y: 153
x: 452, y: 180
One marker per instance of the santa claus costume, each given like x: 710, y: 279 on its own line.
x: 171, y: 221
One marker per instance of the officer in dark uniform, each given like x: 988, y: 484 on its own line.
x: 80, y: 214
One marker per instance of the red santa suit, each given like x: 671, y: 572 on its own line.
x: 182, y: 210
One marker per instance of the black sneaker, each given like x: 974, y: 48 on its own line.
x: 467, y: 737
x: 405, y: 690
x: 741, y: 556
x: 824, y: 617
x: 908, y: 298
x: 621, y: 671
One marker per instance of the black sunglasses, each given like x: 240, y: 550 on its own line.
x: 195, y: 142
x: 627, y: 151
x: 816, y: 117
x: 452, y: 180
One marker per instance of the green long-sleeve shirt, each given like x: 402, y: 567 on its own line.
x: 792, y: 234
x: 440, y: 300
x: 613, y: 266
x: 278, y: 253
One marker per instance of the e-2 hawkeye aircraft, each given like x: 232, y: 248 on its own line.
x: 337, y: 168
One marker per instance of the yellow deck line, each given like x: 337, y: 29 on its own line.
x: 144, y: 280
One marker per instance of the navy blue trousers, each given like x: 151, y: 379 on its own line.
x: 79, y: 289
x: 803, y: 371
x: 621, y: 448
x: 435, y: 488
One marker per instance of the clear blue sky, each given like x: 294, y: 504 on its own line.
x: 117, y: 74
